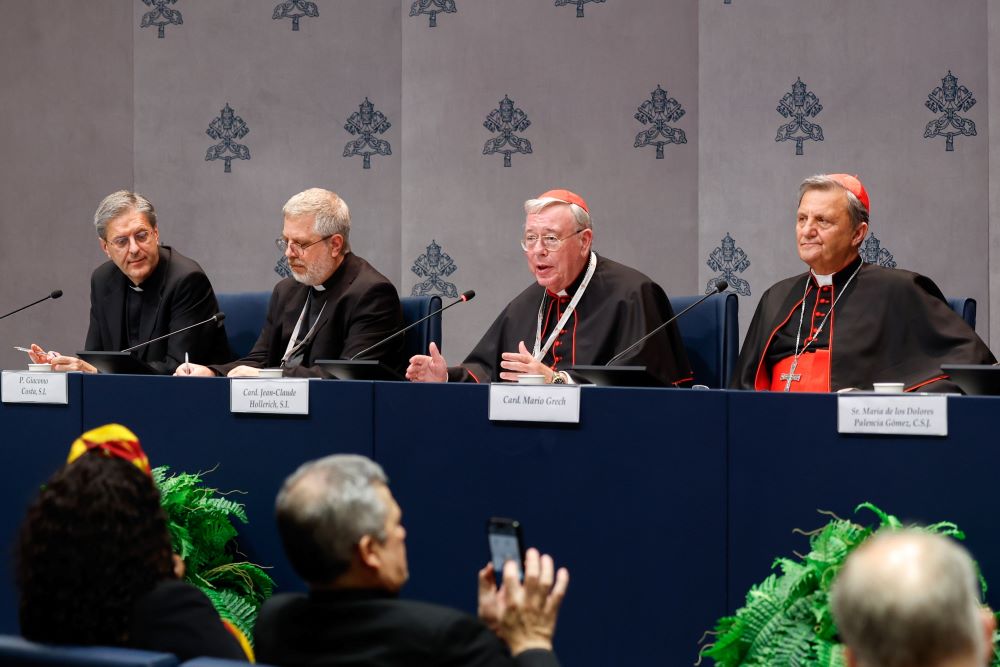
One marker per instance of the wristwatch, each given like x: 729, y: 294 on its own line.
x: 560, y: 377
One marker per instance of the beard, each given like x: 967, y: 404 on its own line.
x: 310, y: 274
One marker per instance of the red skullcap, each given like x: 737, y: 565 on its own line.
x: 565, y: 196
x: 853, y: 185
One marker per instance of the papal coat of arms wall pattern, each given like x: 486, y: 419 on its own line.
x: 660, y: 118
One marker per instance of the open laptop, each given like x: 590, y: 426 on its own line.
x: 117, y: 363
x: 975, y: 379
x: 359, y: 369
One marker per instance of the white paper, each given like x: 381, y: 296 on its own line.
x: 535, y: 403
x: 29, y: 387
x: 280, y: 396
x: 900, y: 414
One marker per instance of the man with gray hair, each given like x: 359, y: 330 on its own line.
x: 583, y: 309
x: 342, y: 532
x: 907, y: 598
x: 333, y: 306
x: 866, y: 323
x: 145, y: 291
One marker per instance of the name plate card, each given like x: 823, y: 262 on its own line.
x: 535, y: 403
x: 881, y: 414
x: 280, y: 396
x: 28, y: 387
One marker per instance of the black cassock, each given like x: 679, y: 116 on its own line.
x: 890, y: 326
x: 619, y: 306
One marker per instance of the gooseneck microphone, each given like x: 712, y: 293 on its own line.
x: 218, y: 317
x: 463, y: 297
x: 54, y: 294
x: 721, y: 286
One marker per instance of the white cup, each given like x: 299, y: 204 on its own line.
x: 526, y: 378
x: 888, y: 387
x: 270, y: 372
x: 40, y: 368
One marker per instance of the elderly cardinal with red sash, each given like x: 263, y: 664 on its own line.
x: 846, y: 324
x: 583, y: 309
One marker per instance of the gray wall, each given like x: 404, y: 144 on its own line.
x: 92, y: 102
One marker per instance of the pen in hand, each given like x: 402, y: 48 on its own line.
x: 51, y: 354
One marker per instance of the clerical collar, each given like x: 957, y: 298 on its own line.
x: 335, y: 277
x: 571, y: 289
x: 838, y: 278
x: 153, y: 280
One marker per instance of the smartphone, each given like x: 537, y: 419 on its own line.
x: 506, y: 543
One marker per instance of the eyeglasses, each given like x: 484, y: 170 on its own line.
x: 296, y: 247
x: 122, y: 242
x: 549, y: 241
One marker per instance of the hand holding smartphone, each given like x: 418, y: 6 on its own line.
x: 506, y: 541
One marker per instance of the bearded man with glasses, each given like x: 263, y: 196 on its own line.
x: 333, y: 306
x: 146, y: 290
x: 583, y: 309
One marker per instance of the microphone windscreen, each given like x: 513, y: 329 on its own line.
x: 467, y: 296
x: 55, y: 294
x: 721, y: 286
x: 219, y: 317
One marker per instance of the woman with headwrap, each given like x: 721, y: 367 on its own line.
x: 94, y: 561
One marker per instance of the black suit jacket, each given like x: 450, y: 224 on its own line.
x: 183, y: 296
x: 362, y: 307
x: 175, y: 617
x: 375, y: 629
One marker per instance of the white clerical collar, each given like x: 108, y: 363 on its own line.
x: 319, y: 288
x: 821, y: 280
x: 135, y: 288
x: 562, y: 292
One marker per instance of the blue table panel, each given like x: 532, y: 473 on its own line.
x: 631, y: 500
x: 186, y: 423
x: 35, y: 442
x: 787, y: 461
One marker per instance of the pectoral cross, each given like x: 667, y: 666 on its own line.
x: 791, y: 375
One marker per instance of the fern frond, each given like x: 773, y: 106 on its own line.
x: 786, y: 620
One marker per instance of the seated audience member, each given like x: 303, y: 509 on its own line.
x: 145, y: 291
x: 342, y: 533
x: 582, y: 310
x: 845, y: 324
x: 94, y: 562
x: 911, y: 599
x: 333, y: 306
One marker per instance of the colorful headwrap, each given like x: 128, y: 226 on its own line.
x: 565, y: 196
x: 112, y: 440
x: 853, y: 185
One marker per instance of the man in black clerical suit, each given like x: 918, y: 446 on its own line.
x: 910, y: 597
x: 146, y: 290
x: 583, y: 310
x: 333, y: 306
x: 342, y: 532
x: 846, y: 324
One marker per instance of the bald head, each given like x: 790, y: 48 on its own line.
x: 910, y: 599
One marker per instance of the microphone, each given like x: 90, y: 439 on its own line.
x: 218, y: 317
x: 720, y: 286
x: 54, y: 294
x: 463, y: 297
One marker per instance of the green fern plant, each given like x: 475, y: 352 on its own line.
x: 786, y: 621
x: 199, y: 519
